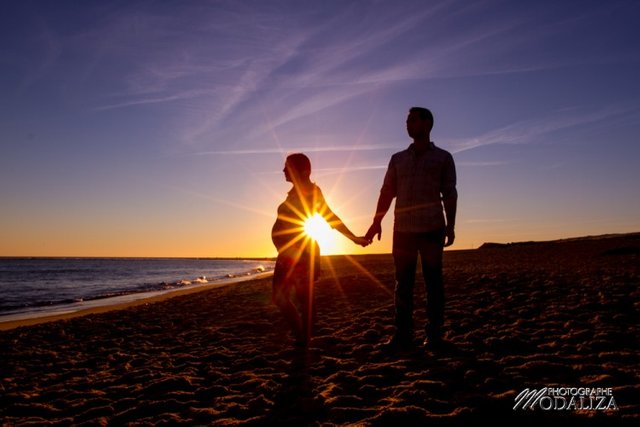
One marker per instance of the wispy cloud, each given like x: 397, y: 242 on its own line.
x: 482, y: 164
x: 311, y: 69
x: 191, y: 94
x: 284, y: 150
x: 346, y: 170
x: 222, y: 62
x: 318, y: 172
x: 315, y: 65
x: 529, y: 130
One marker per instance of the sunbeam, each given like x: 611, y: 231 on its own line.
x: 366, y: 272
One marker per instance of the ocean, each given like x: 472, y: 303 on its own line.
x: 35, y: 287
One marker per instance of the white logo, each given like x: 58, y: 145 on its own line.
x: 566, y: 399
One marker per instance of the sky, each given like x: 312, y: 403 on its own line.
x: 160, y: 128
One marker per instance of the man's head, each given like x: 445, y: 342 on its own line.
x: 297, y: 167
x: 419, y: 123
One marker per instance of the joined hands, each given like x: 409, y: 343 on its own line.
x: 367, y: 239
x: 361, y: 240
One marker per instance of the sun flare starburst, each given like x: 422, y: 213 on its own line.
x: 317, y: 228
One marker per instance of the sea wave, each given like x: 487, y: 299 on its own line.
x: 74, y: 284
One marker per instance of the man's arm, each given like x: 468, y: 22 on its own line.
x: 387, y: 193
x: 384, y: 202
x: 450, y: 207
x: 450, y: 199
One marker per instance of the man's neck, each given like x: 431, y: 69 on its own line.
x: 422, y: 144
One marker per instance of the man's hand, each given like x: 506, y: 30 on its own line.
x: 376, y: 228
x: 450, y: 235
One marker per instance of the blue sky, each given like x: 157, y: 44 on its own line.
x: 159, y: 128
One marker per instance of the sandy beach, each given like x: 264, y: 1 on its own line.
x: 530, y: 315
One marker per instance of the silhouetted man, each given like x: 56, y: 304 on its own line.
x: 422, y: 178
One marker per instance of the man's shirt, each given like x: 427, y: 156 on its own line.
x: 420, y: 182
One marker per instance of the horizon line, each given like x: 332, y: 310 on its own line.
x: 563, y: 239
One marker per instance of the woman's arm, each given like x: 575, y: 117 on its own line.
x: 335, y: 222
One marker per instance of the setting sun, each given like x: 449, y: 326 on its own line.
x: 319, y: 230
